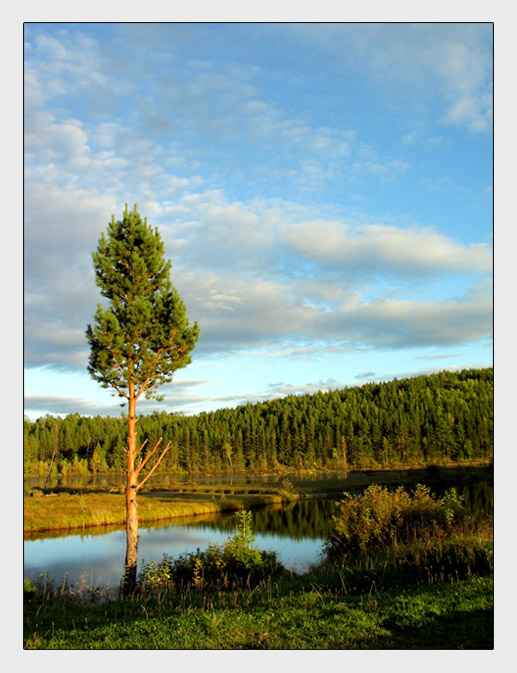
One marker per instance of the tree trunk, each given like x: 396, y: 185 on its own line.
x: 129, y: 582
x: 131, y: 536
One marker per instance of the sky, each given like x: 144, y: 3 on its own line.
x: 324, y: 192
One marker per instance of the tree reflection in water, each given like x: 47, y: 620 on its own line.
x: 296, y: 532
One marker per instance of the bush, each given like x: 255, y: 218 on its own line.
x: 241, y: 546
x: 30, y: 592
x: 236, y: 563
x: 379, y: 517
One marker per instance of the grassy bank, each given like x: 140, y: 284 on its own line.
x: 66, y: 508
x: 439, y: 616
x: 402, y: 572
x: 435, y: 593
x: 66, y: 511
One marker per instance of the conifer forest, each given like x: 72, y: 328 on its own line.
x: 440, y: 418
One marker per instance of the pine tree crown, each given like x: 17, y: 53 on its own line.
x: 144, y: 335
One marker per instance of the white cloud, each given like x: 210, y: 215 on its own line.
x: 305, y: 389
x: 394, y: 323
x: 438, y: 356
x: 476, y: 113
x: 254, y: 271
x: 51, y: 141
x: 37, y: 405
x: 237, y: 313
x: 251, y: 273
x: 387, y: 249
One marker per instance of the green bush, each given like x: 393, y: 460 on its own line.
x: 379, y: 517
x: 236, y: 563
x: 30, y: 592
x: 240, y: 548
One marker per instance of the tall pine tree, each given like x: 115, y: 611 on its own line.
x: 137, y: 342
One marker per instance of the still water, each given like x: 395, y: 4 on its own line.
x: 296, y: 533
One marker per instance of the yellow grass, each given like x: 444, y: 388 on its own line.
x: 65, y: 511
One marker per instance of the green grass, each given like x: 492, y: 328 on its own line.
x: 456, y: 615
x: 433, y: 590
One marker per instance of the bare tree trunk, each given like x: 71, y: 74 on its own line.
x: 129, y: 582
x: 132, y: 488
x: 131, y: 537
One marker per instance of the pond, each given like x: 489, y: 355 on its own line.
x: 296, y: 533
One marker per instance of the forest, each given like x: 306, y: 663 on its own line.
x: 437, y: 419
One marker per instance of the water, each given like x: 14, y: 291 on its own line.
x: 296, y: 533
x: 103, y: 481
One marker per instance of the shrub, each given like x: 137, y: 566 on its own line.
x: 379, y: 517
x: 240, y: 548
x: 236, y: 563
x: 30, y: 592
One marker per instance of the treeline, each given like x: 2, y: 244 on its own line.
x: 445, y: 417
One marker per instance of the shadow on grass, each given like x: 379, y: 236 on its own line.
x: 473, y: 630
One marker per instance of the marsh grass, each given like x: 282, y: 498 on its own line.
x: 66, y: 511
x: 67, y: 507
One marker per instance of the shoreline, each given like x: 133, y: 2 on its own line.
x: 72, y: 510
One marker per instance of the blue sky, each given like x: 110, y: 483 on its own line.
x: 324, y: 192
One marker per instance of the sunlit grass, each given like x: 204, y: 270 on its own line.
x: 65, y: 511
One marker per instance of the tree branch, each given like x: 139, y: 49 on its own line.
x: 119, y: 391
x: 151, y: 471
x: 141, y: 447
x: 142, y: 462
x: 142, y: 388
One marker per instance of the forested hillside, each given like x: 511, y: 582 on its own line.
x: 415, y: 421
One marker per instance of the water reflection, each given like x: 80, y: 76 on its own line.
x: 100, y: 557
x: 478, y: 497
x: 295, y: 532
x: 105, y: 481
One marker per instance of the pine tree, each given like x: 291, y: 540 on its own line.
x: 138, y: 341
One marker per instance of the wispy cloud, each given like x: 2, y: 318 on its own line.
x: 425, y: 63
x: 37, y: 405
x: 364, y: 376
x: 283, y: 389
x: 438, y: 356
